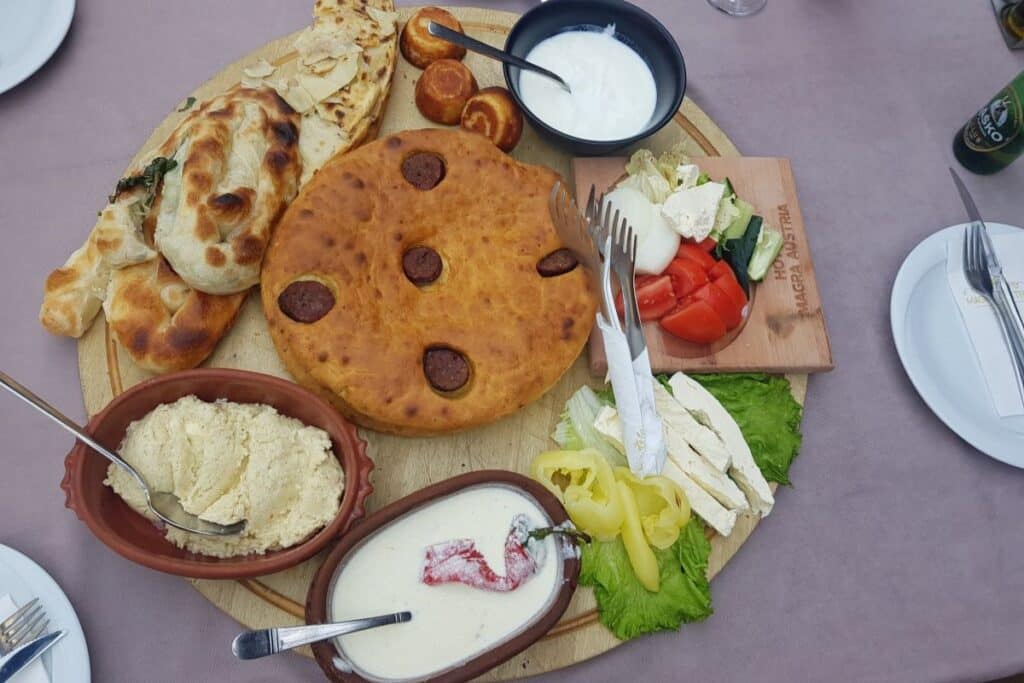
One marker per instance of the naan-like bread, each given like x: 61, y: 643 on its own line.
x: 238, y: 167
x: 74, y: 292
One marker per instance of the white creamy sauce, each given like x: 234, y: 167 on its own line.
x: 613, y: 91
x: 451, y: 623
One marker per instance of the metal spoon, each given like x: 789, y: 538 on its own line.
x: 166, y: 506
x: 445, y: 33
x: 270, y: 641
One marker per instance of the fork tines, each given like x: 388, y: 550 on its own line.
x: 27, y: 623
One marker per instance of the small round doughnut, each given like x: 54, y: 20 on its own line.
x: 492, y: 112
x: 443, y: 90
x: 419, y: 47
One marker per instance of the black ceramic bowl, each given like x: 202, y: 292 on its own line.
x: 634, y: 27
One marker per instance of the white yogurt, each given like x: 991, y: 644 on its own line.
x: 451, y: 623
x: 613, y: 91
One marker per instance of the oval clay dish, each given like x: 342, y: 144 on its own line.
x: 134, y: 537
x: 320, y: 590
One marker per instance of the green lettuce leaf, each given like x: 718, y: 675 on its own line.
x: 628, y: 609
x: 767, y: 414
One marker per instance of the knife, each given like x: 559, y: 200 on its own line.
x: 25, y: 654
x: 1004, y: 295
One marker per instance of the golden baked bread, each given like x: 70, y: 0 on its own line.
x: 403, y: 284
x: 161, y: 322
x: 421, y: 48
x: 357, y: 108
x: 237, y: 168
x: 493, y: 112
x: 74, y: 292
x: 443, y: 89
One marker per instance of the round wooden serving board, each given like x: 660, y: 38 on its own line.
x: 407, y: 464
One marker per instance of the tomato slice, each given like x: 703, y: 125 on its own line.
x: 695, y: 322
x: 695, y: 253
x: 654, y: 297
x: 731, y: 286
x: 707, y: 244
x: 686, y: 276
x: 722, y: 303
x: 720, y: 269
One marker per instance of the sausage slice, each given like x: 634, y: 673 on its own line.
x: 422, y: 265
x: 423, y: 170
x: 446, y: 369
x: 558, y: 262
x: 305, y: 301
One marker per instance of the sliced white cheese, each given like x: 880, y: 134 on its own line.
x: 700, y: 437
x: 720, y: 518
x: 692, y: 212
x: 715, y: 482
x: 703, y: 505
x: 743, y: 470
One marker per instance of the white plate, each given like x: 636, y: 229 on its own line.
x: 30, y: 32
x: 68, y: 660
x: 936, y: 352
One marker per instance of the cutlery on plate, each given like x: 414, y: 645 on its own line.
x: 166, y: 506
x: 23, y: 638
x: 24, y: 624
x: 985, y: 276
x: 447, y: 34
x: 977, y: 271
x: 270, y: 641
x: 23, y: 655
x: 993, y: 265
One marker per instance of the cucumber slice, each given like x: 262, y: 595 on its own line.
x: 768, y: 246
x: 735, y: 229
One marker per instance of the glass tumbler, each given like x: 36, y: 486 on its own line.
x: 738, y: 8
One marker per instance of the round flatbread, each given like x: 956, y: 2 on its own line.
x: 415, y: 354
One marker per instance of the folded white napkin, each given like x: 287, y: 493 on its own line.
x: 34, y: 672
x: 642, y: 432
x: 980, y: 318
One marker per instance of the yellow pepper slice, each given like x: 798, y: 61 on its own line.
x: 584, y: 483
x: 641, y: 557
x: 662, y: 506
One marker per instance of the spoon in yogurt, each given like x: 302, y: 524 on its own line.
x: 447, y: 34
x: 270, y: 641
x: 165, y: 506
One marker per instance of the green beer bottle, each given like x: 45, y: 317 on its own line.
x: 994, y: 137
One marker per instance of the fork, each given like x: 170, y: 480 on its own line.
x: 27, y: 623
x: 575, y: 229
x: 614, y: 232
x: 975, y: 265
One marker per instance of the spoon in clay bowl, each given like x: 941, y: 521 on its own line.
x: 166, y: 506
x: 270, y: 641
x: 447, y: 34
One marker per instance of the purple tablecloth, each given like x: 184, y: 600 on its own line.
x: 896, y: 556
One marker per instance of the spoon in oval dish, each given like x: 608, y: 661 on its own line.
x: 270, y: 641
x: 165, y: 506
x: 447, y: 34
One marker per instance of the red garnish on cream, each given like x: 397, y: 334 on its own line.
x: 459, y: 561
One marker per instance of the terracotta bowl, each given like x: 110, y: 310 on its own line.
x: 136, y: 538
x: 320, y: 589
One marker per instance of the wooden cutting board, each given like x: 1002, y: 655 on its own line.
x: 785, y: 329
x: 404, y: 465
